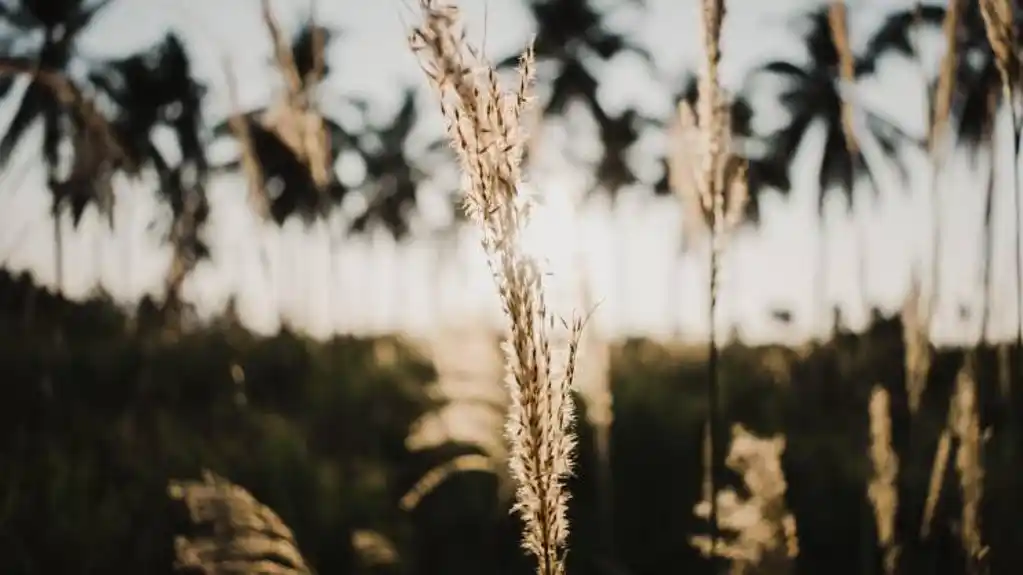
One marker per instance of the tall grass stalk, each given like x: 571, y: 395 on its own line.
x: 484, y: 126
x: 999, y: 23
x: 965, y: 422
x: 715, y: 179
x: 882, y: 491
x: 720, y: 179
x: 916, y: 329
x: 1001, y: 32
x: 839, y: 28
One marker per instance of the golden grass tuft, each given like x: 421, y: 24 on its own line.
x: 241, y: 534
x: 765, y: 539
x: 484, y: 127
x: 710, y: 179
x: 916, y: 339
x: 969, y: 463
x: 882, y: 490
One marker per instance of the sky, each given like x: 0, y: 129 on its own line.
x: 370, y: 285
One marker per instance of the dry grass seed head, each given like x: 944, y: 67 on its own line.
x: 882, y: 489
x: 969, y: 463
x: 1001, y: 33
x: 483, y: 124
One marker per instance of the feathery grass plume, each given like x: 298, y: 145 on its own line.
x: 472, y: 401
x: 965, y: 422
x: 246, y: 536
x: 685, y: 159
x: 1001, y: 34
x: 484, y: 126
x: 882, y: 491
x: 916, y: 339
x: 704, y: 172
x: 765, y: 539
x: 433, y: 478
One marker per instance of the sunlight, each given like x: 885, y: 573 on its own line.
x: 552, y: 237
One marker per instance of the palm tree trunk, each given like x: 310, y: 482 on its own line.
x: 863, y: 264
x: 58, y: 250
x: 183, y: 261
x: 1016, y: 132
x: 820, y: 284
x: 989, y: 246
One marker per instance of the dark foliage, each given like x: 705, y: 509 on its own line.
x: 94, y: 427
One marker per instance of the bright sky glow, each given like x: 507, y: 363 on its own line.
x: 631, y: 258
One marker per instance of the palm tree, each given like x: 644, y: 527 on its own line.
x: 971, y: 110
x: 569, y: 33
x: 975, y: 100
x: 813, y: 95
x: 278, y: 137
x: 291, y: 144
x: 58, y: 101
x: 156, y: 89
x: 896, y: 36
x: 391, y: 174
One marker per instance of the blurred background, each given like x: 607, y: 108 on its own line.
x: 231, y: 240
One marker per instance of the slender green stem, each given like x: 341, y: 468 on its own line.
x: 713, y: 440
x: 1016, y: 129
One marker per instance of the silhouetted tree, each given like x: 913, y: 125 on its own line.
x: 292, y: 183
x: 813, y: 94
x: 56, y: 99
x: 155, y: 89
x: 391, y: 174
x: 568, y: 34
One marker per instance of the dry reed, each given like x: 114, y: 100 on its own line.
x: 235, y: 533
x: 882, y: 491
x: 965, y: 423
x: 916, y: 339
x: 1001, y: 33
x: 484, y: 126
x: 918, y: 312
x: 765, y: 538
x: 710, y: 179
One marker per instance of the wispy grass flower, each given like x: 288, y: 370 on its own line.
x: 484, y: 126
